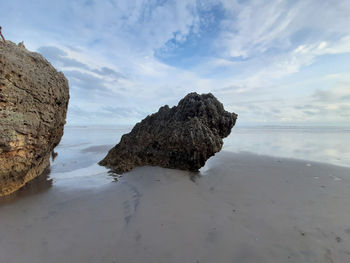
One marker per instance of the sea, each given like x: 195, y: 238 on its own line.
x: 82, y: 147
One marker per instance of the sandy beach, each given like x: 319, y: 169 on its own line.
x: 239, y: 208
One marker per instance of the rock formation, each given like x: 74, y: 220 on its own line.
x: 33, y: 105
x: 181, y: 137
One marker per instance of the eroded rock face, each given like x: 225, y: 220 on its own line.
x: 181, y: 137
x: 33, y: 105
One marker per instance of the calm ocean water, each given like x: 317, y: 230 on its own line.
x: 320, y: 144
x: 83, y: 147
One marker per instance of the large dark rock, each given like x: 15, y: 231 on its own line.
x: 181, y: 137
x: 33, y: 105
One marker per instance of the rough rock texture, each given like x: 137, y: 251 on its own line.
x: 182, y: 137
x: 33, y: 105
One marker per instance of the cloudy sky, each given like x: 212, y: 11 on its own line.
x: 272, y: 62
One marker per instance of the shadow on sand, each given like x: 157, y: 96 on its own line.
x: 38, y: 185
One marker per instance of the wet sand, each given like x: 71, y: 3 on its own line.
x: 239, y: 208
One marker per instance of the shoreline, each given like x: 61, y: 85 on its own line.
x: 48, y: 178
x: 51, y: 178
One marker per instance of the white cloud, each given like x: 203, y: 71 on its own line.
x: 109, y: 51
x: 255, y: 27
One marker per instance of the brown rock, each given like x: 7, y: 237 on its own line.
x: 181, y: 137
x: 21, y: 44
x: 33, y: 105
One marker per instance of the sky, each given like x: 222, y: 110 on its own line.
x: 271, y: 62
